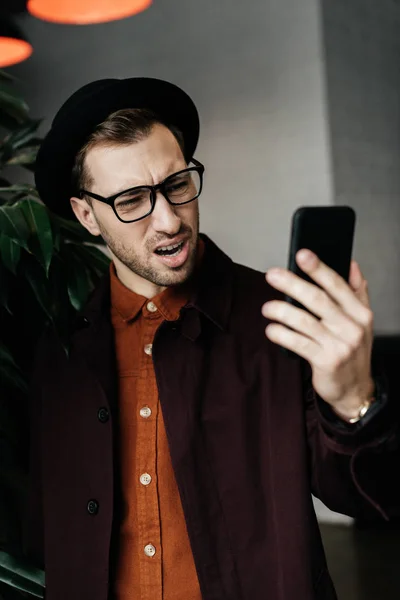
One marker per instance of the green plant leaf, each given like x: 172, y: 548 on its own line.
x: 39, y: 284
x: 19, y: 188
x: 56, y: 238
x: 25, y: 156
x: 12, y: 103
x: 41, y: 241
x: 4, y: 76
x: 4, y: 288
x: 13, y: 224
x: 10, y: 371
x: 14, y: 379
x: 79, y: 281
x: 92, y: 256
x: 19, y: 574
x: 10, y: 253
x: 6, y: 356
x: 22, y: 136
x: 7, y: 121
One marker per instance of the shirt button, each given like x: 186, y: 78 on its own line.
x: 145, y: 479
x: 148, y: 349
x: 145, y: 412
x: 151, y: 307
x: 149, y: 550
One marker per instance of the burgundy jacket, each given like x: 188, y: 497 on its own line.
x: 248, y: 442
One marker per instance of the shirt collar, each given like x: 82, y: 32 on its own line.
x: 125, y: 302
x: 128, y: 304
x: 212, y: 296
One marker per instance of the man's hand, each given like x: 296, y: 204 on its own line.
x: 339, y: 345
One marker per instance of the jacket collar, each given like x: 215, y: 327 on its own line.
x: 213, y: 295
x: 212, y: 298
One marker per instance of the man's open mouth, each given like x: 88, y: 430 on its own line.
x: 170, y: 250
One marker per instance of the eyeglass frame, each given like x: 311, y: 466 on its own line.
x: 153, y: 192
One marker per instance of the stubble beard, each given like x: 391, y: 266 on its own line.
x: 143, y: 268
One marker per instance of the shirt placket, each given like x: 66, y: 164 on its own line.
x: 146, y: 470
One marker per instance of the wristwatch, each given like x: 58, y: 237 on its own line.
x: 364, y: 408
x: 367, y: 411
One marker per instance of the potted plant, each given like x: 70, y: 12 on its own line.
x: 48, y: 267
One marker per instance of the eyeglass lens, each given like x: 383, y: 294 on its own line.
x: 180, y: 188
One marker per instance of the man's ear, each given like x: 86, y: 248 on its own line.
x: 85, y: 215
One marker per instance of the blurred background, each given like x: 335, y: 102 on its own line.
x: 299, y: 104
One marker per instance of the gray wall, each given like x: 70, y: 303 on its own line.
x: 256, y: 72
x: 362, y: 41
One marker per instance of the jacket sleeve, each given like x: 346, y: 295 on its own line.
x: 381, y: 398
x: 33, y: 525
x: 354, y: 470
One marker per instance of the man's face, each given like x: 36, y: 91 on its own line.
x: 148, y: 162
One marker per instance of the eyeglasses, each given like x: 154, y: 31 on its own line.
x: 138, y: 202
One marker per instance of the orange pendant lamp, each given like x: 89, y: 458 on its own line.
x: 13, y: 46
x: 85, y: 12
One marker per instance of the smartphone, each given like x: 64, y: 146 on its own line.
x: 329, y: 232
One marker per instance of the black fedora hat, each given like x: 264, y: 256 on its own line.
x: 91, y: 105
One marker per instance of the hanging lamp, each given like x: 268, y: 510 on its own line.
x: 13, y: 46
x: 85, y: 12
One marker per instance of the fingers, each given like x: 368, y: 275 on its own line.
x: 291, y: 340
x: 333, y: 297
x: 324, y: 333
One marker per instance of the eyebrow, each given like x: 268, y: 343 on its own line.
x: 139, y: 185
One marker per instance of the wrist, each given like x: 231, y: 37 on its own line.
x: 355, y: 415
x: 354, y: 409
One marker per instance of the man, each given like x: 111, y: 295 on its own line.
x: 175, y: 451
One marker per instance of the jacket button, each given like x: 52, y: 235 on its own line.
x: 103, y: 415
x: 83, y: 321
x: 93, y: 507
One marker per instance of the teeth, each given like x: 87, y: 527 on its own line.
x: 164, y: 248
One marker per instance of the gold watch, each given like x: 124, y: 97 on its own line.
x: 365, y: 406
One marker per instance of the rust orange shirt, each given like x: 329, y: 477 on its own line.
x: 155, y: 557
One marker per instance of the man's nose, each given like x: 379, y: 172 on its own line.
x: 164, y: 216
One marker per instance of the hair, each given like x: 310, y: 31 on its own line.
x: 125, y: 126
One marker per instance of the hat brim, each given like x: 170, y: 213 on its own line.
x: 89, y: 107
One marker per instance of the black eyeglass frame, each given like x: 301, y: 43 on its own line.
x: 153, y: 191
